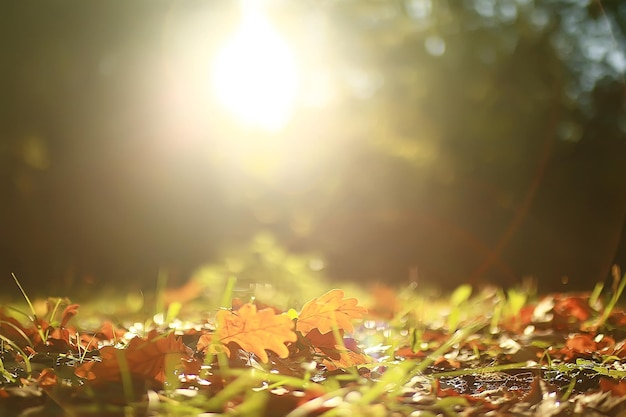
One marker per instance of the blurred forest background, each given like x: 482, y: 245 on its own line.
x: 439, y: 141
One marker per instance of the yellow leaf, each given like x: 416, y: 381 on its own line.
x: 256, y: 331
x: 329, y: 311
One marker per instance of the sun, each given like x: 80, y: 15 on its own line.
x: 255, y: 75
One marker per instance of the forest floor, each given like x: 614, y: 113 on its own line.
x: 381, y: 352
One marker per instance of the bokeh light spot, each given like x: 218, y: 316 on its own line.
x: 255, y: 75
x: 435, y: 45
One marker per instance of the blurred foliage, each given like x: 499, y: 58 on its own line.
x: 265, y: 271
x: 459, y: 140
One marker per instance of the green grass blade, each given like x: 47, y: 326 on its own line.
x: 24, y: 356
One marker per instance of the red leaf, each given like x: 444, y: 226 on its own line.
x: 69, y: 312
x: 407, y: 352
x: 617, y: 318
x: 581, y: 343
x: 47, y: 378
x: 13, y: 329
x: 615, y: 388
x: 576, y: 307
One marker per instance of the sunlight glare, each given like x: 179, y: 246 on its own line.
x: 255, y: 75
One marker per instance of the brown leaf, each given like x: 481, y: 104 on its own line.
x: 407, y: 353
x: 576, y: 307
x: 148, y: 357
x: 69, y: 312
x: 329, y: 311
x: 59, y: 340
x: 617, y: 318
x: 255, y: 331
x: 342, y: 354
x: 108, y: 369
x: 386, y: 303
x: 581, y: 343
x: 204, y: 342
x: 615, y: 388
x: 13, y: 329
x: 153, y: 356
x: 190, y: 291
x: 47, y: 378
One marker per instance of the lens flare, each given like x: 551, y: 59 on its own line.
x: 255, y: 75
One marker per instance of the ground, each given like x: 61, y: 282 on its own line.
x: 376, y: 352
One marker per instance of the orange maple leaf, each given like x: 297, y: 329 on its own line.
x: 255, y: 331
x: 329, y: 311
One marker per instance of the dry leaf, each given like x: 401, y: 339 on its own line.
x: 336, y: 355
x: 255, y: 331
x: 153, y: 356
x: 386, y: 302
x: 13, y: 330
x: 47, y: 378
x: 108, y: 369
x: 145, y: 357
x: 190, y: 291
x: 617, y: 388
x: 329, y: 311
x: 69, y: 312
x: 581, y: 343
x: 204, y: 342
x: 577, y: 307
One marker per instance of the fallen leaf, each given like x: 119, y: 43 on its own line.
x: 342, y: 354
x: 576, y: 307
x: 600, y: 404
x: 47, y: 378
x: 617, y: 318
x: 619, y: 349
x: 407, y: 353
x: 238, y: 302
x: 329, y: 311
x: 444, y: 363
x: 204, y: 342
x: 255, y: 331
x: 386, y: 303
x: 149, y: 357
x: 69, y: 312
x: 190, y: 291
x: 615, y: 388
x: 105, y: 370
x: 13, y: 330
x: 581, y: 343
x: 60, y: 340
x: 153, y: 356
